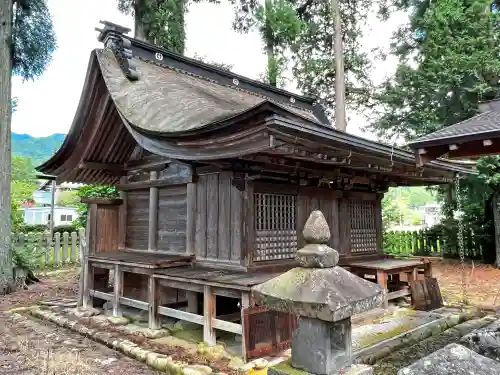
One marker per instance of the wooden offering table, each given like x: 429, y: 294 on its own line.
x: 388, y: 270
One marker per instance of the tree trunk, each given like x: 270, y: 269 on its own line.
x: 272, y: 66
x: 139, y: 31
x: 6, y: 271
x: 338, y: 50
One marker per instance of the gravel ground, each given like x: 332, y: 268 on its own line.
x: 33, y: 347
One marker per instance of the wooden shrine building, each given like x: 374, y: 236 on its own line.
x: 217, y: 175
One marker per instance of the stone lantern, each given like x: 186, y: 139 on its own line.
x: 324, y: 296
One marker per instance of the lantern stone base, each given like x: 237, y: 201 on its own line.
x: 322, y: 347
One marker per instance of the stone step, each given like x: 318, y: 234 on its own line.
x: 453, y: 359
x: 484, y: 341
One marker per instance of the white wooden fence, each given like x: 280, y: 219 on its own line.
x: 53, y: 251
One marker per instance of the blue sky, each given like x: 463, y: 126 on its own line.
x: 47, y: 105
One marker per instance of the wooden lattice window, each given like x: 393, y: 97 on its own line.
x: 275, y: 229
x: 363, y: 226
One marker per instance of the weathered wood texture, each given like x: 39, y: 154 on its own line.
x: 172, y: 219
x: 219, y: 218
x: 107, y: 236
x: 425, y: 294
x: 137, y: 219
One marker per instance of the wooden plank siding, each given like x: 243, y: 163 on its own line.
x: 172, y: 219
x: 137, y: 219
x: 219, y: 219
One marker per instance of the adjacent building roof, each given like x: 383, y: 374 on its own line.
x: 138, y: 95
x: 474, y: 137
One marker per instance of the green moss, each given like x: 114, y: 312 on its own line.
x: 286, y: 368
x: 194, y: 336
x: 376, y: 338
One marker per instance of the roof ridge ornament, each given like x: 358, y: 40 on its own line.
x: 112, y: 37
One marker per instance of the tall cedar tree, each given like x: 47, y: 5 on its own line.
x: 279, y: 27
x: 27, y: 41
x: 448, y: 63
x: 160, y: 22
x: 306, y: 29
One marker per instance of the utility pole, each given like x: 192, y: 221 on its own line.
x: 52, y: 206
x: 340, y: 122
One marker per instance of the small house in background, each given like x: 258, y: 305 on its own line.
x: 41, y: 215
x: 43, y: 195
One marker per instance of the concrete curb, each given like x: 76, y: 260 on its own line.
x: 371, y: 354
x: 154, y: 360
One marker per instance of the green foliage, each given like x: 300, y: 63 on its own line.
x: 399, y: 205
x: 314, y: 61
x: 33, y: 228
x: 22, y: 169
x: 64, y: 228
x: 28, y: 255
x: 161, y: 21
x: 37, y: 149
x: 443, y: 75
x: 279, y: 26
x: 449, y: 62
x: 16, y: 216
x: 69, y: 198
x: 33, y: 38
x: 92, y: 191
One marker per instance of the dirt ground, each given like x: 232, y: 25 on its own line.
x: 39, y: 348
x: 482, y: 283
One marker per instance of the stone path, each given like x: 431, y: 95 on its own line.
x: 410, y: 354
x: 33, y: 347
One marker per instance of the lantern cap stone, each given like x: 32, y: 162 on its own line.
x: 329, y: 294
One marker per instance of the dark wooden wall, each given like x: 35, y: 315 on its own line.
x: 172, y: 219
x: 137, y: 219
x: 218, y: 220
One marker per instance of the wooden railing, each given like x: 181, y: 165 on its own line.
x: 54, y: 250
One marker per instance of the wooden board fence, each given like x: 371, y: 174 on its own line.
x: 51, y: 251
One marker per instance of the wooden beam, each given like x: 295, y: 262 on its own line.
x: 115, y: 169
x: 88, y: 274
x: 209, y: 316
x: 153, y: 214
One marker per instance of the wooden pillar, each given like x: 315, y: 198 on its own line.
x: 117, y: 291
x: 153, y: 214
x: 122, y: 221
x: 209, y: 315
x: 245, y: 303
x: 192, y: 300
x: 191, y: 218
x: 382, y: 281
x: 88, y: 284
x: 153, y: 297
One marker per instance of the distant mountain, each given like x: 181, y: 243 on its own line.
x: 38, y: 150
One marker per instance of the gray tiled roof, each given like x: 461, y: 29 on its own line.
x: 484, y: 123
